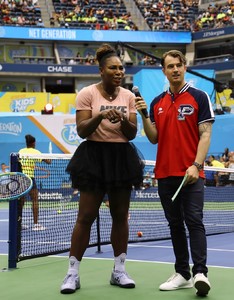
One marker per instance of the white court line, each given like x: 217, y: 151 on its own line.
x: 170, y: 247
x: 132, y: 260
x: 142, y: 261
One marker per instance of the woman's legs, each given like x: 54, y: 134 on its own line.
x: 88, y: 210
x: 119, y: 200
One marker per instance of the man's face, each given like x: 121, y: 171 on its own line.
x: 174, y: 70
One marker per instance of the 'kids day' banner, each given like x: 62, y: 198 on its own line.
x: 58, y: 130
x: 35, y: 102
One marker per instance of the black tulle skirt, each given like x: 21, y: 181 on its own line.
x: 102, y: 165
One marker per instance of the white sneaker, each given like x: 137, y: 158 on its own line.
x: 70, y: 284
x: 24, y: 227
x: 201, y: 284
x: 176, y: 282
x: 38, y: 227
x: 121, y: 279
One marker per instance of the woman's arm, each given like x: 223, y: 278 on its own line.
x: 86, y: 124
x: 129, y: 127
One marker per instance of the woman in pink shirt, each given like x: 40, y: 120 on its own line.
x: 105, y: 163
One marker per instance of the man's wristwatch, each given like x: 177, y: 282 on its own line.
x: 199, y: 166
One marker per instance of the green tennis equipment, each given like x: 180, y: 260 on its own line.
x: 179, y: 188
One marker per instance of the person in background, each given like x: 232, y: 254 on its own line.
x: 180, y: 123
x: 225, y: 155
x: 40, y: 23
x: 106, y: 163
x: 221, y: 178
x: 214, y: 162
x: 210, y: 176
x: 28, y: 167
x: 4, y: 168
x: 230, y: 164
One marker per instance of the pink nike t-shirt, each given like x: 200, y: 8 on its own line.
x: 89, y: 98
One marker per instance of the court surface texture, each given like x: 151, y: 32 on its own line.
x: 149, y: 264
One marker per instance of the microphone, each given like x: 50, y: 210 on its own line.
x: 137, y: 93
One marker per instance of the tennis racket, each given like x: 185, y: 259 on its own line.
x: 14, y: 185
x: 179, y: 188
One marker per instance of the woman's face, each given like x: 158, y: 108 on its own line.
x: 112, y: 71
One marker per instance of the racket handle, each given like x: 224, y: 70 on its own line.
x: 179, y: 188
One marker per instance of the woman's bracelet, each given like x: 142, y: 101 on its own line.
x: 123, y: 118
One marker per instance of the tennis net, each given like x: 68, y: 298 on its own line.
x: 58, y: 205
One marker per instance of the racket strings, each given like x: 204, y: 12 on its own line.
x: 13, y: 184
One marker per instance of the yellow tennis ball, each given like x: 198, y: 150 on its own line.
x: 59, y: 211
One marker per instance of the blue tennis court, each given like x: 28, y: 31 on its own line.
x: 220, y: 246
x: 149, y: 263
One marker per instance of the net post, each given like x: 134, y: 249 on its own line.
x: 13, y: 220
x: 98, y: 235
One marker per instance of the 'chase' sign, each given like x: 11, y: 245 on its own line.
x: 52, y: 69
x: 59, y: 69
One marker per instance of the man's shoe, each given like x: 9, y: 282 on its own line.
x: 176, y: 282
x: 121, y: 279
x: 201, y: 284
x: 70, y: 284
